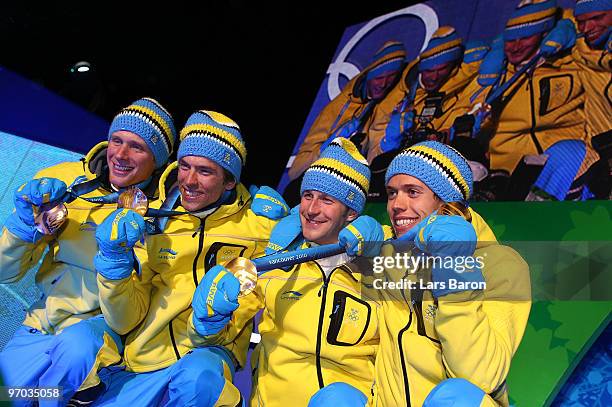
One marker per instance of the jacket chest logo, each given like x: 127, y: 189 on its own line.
x: 430, y: 312
x: 166, y: 254
x: 291, y: 295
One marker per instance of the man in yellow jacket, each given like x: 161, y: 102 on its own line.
x: 352, y: 110
x: 427, y: 97
x: 592, y: 53
x: 540, y: 118
x: 317, y: 329
x: 149, y: 298
x: 451, y: 336
x: 63, y: 332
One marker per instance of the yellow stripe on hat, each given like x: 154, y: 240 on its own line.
x: 441, y: 48
x: 220, y: 118
x: 228, y: 137
x: 159, y: 119
x: 443, y: 31
x: 529, y: 18
x: 475, y: 49
x: 344, y: 169
x: 350, y: 148
x: 447, y: 162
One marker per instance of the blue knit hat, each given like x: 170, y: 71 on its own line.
x: 439, y: 166
x: 214, y: 136
x: 340, y: 172
x: 590, y: 6
x: 390, y: 58
x: 444, y: 46
x: 531, y: 17
x: 151, y: 122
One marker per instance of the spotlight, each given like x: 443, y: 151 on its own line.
x: 81, y: 67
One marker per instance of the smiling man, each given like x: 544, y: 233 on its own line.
x: 442, y: 344
x: 150, y: 301
x: 541, y: 117
x: 53, y: 347
x: 317, y: 329
x: 592, y: 52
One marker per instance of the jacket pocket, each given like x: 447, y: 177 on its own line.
x: 349, y: 319
x: 555, y: 91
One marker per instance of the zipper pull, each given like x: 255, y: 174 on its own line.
x: 322, y: 287
x: 199, y: 229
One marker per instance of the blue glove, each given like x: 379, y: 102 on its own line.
x: 33, y: 193
x: 475, y: 51
x: 493, y: 64
x: 286, y: 231
x: 267, y: 202
x: 560, y: 38
x: 338, y: 394
x: 609, y: 41
x: 214, y: 300
x: 116, y: 236
x: 400, y: 124
x: 447, y: 237
x: 362, y: 237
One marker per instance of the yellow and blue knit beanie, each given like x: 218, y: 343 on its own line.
x: 390, y: 58
x: 444, y: 46
x: 150, y: 121
x: 442, y: 168
x: 591, y: 6
x: 214, y: 136
x: 531, y: 17
x: 341, y: 172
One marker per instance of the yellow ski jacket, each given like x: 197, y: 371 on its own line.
x: 154, y: 308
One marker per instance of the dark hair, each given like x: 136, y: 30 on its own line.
x: 228, y: 177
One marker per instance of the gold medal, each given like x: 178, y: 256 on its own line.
x: 133, y: 198
x: 244, y: 270
x: 455, y: 208
x: 50, y: 218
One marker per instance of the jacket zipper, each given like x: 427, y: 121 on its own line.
x: 402, y: 358
x: 200, y: 247
x: 195, y: 279
x: 533, y: 118
x: 323, y: 290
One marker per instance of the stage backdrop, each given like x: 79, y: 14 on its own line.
x: 414, y: 26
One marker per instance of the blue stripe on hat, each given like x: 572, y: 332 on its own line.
x: 390, y: 58
x: 444, y: 46
x: 531, y: 17
x: 590, y: 6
